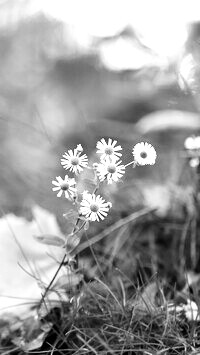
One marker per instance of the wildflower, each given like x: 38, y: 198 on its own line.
x: 109, y: 151
x: 112, y: 170
x: 65, y: 185
x: 192, y: 146
x: 192, y: 143
x: 94, y: 207
x: 144, y: 154
x: 190, y: 310
x: 74, y: 161
x: 194, y: 162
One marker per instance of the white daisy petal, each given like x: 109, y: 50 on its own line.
x: 60, y: 180
x: 70, y: 153
x: 113, y: 143
x: 60, y: 193
x: 56, y: 183
x: 56, y: 188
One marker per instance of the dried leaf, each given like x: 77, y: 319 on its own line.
x: 31, y: 345
x: 68, y: 281
x: 32, y: 339
x: 146, y: 300
x: 27, y: 333
x: 49, y: 239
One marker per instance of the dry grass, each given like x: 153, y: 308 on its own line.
x: 132, y: 275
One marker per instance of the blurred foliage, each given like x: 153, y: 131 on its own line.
x: 51, y: 100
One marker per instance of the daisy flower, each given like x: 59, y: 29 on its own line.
x: 65, y: 185
x: 94, y: 207
x: 109, y: 151
x: 74, y: 161
x: 144, y: 154
x: 112, y: 170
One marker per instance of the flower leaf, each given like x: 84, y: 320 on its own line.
x: 50, y: 240
x: 71, y: 242
x: 86, y: 226
x: 71, y: 214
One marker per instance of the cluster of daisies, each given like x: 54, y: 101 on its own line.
x: 192, y: 146
x: 110, y: 169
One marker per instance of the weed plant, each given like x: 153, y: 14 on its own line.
x: 131, y: 279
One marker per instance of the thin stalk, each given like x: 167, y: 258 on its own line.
x: 131, y: 163
x: 62, y: 263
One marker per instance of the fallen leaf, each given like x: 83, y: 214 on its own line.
x: 24, y: 263
x: 28, y: 333
x: 32, y: 334
x: 146, y: 301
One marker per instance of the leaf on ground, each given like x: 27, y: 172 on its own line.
x: 32, y: 336
x: 146, y: 301
x: 30, y: 345
x: 27, y: 333
x: 25, y: 263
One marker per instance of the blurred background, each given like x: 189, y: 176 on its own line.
x: 75, y: 71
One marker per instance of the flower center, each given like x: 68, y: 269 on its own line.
x: 111, y: 169
x: 108, y: 151
x: 64, y: 186
x: 75, y: 161
x: 94, y: 207
x: 143, y: 155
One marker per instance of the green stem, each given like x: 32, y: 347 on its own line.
x: 62, y: 263
x: 53, y: 279
x: 131, y: 163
